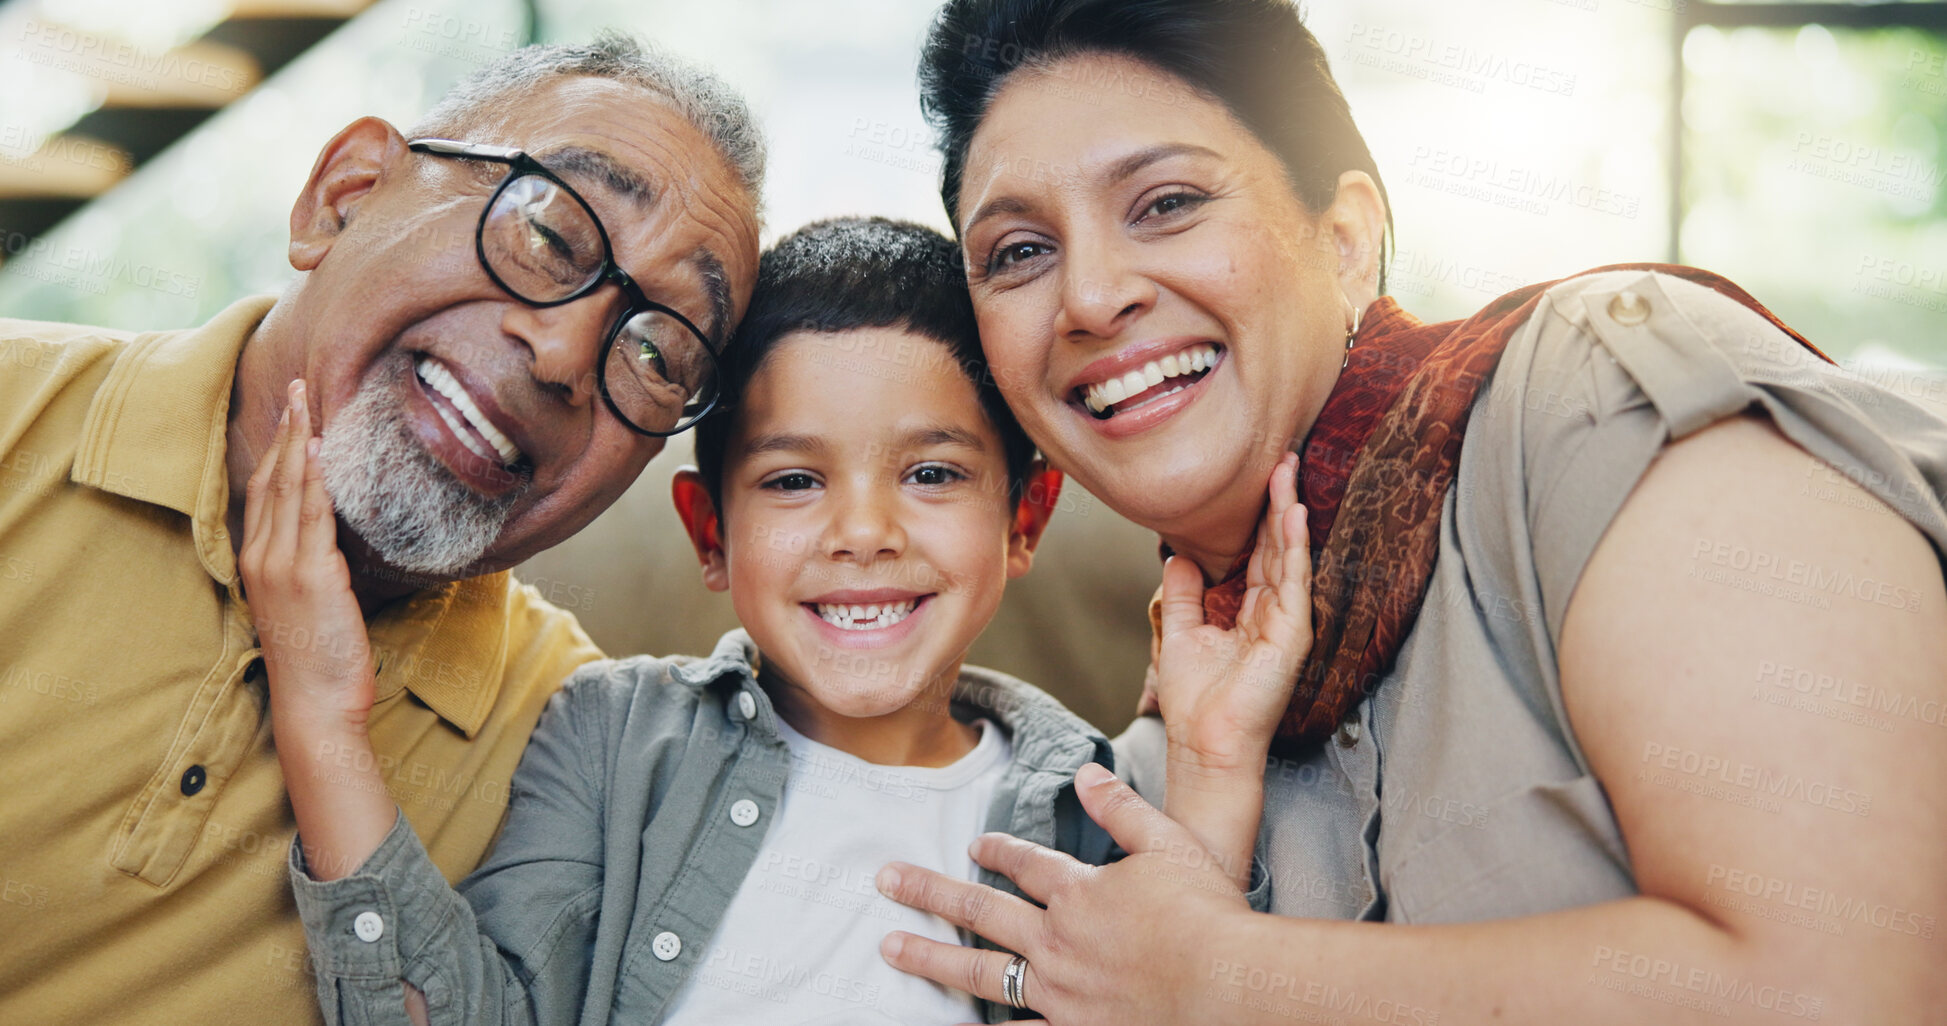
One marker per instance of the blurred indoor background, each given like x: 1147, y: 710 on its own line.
x: 150, y: 151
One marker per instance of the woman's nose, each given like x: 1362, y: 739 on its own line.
x: 565, y: 341
x: 1101, y: 291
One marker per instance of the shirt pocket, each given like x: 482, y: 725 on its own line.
x: 1541, y: 848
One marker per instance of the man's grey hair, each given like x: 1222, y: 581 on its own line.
x: 705, y: 101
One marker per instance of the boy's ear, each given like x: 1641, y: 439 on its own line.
x: 1039, y: 493
x: 348, y: 168
x: 700, y: 519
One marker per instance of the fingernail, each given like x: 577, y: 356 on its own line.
x: 888, y: 881
x: 311, y: 448
x: 1093, y: 775
x: 893, y: 945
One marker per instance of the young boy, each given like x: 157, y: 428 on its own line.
x: 695, y: 841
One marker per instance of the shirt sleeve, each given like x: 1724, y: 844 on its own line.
x: 511, y: 944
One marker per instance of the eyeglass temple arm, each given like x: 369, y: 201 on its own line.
x: 452, y: 148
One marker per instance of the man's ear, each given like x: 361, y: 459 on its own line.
x: 348, y: 168
x: 699, y: 513
x: 1039, y: 493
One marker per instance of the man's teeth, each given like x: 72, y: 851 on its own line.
x: 1099, y: 397
x: 867, y: 618
x: 433, y: 373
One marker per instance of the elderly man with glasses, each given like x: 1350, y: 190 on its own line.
x: 499, y: 319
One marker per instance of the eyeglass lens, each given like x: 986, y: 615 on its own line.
x: 545, y: 246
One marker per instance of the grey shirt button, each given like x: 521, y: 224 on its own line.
x: 369, y: 926
x: 743, y: 812
x: 666, y: 946
x: 746, y: 705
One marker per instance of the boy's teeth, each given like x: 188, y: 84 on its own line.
x: 1099, y: 397
x: 866, y: 618
x: 443, y: 381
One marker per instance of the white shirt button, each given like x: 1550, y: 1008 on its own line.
x: 1629, y: 309
x: 743, y: 812
x: 369, y: 926
x: 746, y: 705
x: 666, y: 946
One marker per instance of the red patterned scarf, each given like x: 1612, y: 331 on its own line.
x: 1374, y: 473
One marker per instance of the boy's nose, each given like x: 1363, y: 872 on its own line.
x: 865, y: 528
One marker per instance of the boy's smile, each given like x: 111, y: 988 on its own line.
x: 868, y: 531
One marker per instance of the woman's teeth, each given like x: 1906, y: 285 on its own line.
x: 442, y: 380
x: 866, y: 618
x: 1100, y: 397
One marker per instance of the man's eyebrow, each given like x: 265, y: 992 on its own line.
x: 764, y: 445
x: 716, y: 286
x: 597, y: 166
x: 1115, y: 172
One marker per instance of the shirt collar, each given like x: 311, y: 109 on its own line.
x: 1045, y: 735
x: 157, y: 432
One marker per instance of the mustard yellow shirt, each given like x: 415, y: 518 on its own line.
x: 143, y: 819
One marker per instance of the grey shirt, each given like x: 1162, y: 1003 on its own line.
x: 637, y: 810
x: 1457, y: 792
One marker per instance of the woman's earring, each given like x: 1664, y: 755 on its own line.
x: 1351, y: 333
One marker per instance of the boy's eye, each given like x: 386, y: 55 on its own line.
x: 792, y: 481
x: 935, y: 474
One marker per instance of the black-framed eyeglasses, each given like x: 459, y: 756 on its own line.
x: 542, y: 243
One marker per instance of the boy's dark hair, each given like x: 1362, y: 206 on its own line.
x: 849, y: 273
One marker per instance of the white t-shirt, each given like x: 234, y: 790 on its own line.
x: 799, y: 945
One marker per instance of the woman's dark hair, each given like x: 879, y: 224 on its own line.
x: 1256, y: 57
x: 846, y: 274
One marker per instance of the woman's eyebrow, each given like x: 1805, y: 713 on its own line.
x: 1117, y: 171
x: 1142, y: 158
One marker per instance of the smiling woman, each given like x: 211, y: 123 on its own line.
x: 1175, y: 242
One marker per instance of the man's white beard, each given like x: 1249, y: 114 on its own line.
x: 395, y: 495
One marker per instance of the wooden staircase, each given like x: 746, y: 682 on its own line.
x: 134, y: 101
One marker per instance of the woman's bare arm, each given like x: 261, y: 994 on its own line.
x: 1789, y: 859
